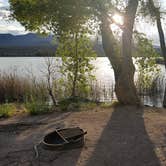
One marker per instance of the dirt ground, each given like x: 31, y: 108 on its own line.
x: 119, y: 136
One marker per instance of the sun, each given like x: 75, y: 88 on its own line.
x: 118, y: 19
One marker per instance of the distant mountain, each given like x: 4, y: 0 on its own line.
x: 26, y: 45
x: 35, y: 45
x: 28, y: 40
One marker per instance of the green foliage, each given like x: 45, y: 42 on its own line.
x: 64, y: 19
x: 145, y: 60
x: 81, y: 104
x: 76, y: 104
x: 7, y: 110
x: 150, y: 9
x: 59, y: 16
x: 67, y: 106
x: 37, y: 107
x: 76, y: 52
x: 50, y: 15
x: 144, y: 46
x: 106, y: 104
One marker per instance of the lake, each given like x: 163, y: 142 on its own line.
x: 103, y: 72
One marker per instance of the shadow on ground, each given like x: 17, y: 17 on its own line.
x: 124, y: 141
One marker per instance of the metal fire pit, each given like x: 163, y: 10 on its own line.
x: 62, y: 139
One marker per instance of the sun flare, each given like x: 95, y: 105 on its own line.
x: 118, y: 19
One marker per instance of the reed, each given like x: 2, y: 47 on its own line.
x: 14, y: 88
x: 155, y: 87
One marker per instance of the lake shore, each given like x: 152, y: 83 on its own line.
x: 119, y: 135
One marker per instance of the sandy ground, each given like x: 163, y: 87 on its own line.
x: 120, y: 136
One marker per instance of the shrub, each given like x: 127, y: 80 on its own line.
x: 7, y: 110
x: 37, y: 108
x: 77, y: 52
x: 76, y: 104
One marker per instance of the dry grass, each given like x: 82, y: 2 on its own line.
x: 14, y: 88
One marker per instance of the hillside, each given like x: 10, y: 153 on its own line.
x: 34, y: 45
x: 28, y: 40
x: 26, y: 45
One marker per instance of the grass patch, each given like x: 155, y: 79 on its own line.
x: 83, y: 104
x: 7, y: 110
x: 37, y: 108
x: 106, y: 104
x: 76, y: 104
x: 69, y: 102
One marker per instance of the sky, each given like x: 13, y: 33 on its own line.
x: 6, y: 26
x: 15, y: 28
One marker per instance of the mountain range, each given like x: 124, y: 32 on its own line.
x: 28, y: 40
x: 26, y: 45
x: 35, y: 45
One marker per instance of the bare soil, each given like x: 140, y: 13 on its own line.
x: 117, y: 136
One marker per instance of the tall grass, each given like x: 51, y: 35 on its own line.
x: 156, y: 86
x: 28, y: 89
x: 37, y: 107
x: 101, y: 92
x: 14, y: 88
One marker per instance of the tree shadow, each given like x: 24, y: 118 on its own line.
x: 124, y: 141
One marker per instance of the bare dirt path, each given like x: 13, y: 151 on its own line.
x: 119, y: 136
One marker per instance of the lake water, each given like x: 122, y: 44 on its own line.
x: 103, y: 72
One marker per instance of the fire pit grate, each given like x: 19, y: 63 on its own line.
x: 61, y: 139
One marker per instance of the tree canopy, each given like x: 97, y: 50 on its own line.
x: 50, y: 15
x: 58, y: 16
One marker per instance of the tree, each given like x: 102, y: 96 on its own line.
x: 49, y: 74
x: 155, y: 14
x: 145, y: 56
x: 61, y: 15
x: 122, y: 63
x: 76, y: 52
x: 128, y: 68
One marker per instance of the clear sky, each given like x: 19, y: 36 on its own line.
x: 15, y: 28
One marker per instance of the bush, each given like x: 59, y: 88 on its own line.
x: 37, y: 108
x: 71, y: 103
x: 7, y: 110
x: 76, y: 104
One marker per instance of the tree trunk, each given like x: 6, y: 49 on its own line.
x: 52, y: 97
x: 163, y: 49
x: 122, y: 64
x: 76, y: 67
x: 49, y: 82
x: 127, y: 75
x: 161, y: 36
x: 50, y: 90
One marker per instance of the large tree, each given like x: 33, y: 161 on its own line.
x: 59, y: 16
x: 121, y: 62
